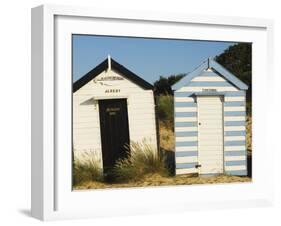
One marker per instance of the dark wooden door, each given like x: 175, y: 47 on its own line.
x: 114, y: 131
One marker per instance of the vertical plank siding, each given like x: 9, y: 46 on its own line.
x: 86, y: 122
x: 210, y: 145
x: 186, y: 120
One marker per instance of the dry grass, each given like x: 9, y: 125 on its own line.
x: 249, y: 133
x: 142, y: 159
x: 167, y: 143
x: 167, y: 137
x: 159, y: 180
x: 86, y: 167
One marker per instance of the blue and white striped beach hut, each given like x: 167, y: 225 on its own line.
x: 210, y: 118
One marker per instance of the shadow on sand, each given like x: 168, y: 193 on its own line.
x: 249, y: 164
x: 169, y: 157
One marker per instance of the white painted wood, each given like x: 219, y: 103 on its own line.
x: 234, y: 118
x: 188, y: 148
x: 210, y: 147
x: 234, y: 128
x: 208, y: 79
x: 186, y: 138
x: 234, y: 98
x: 211, y: 132
x: 86, y: 125
x: 125, y: 85
x: 185, y: 109
x: 235, y: 158
x: 209, y: 141
x: 186, y: 159
x: 185, y: 119
x: 199, y: 89
x: 210, y: 110
x: 185, y: 129
x: 232, y: 168
x: 38, y: 139
x: 234, y: 148
x: 233, y: 138
x: 186, y: 171
x: 237, y: 108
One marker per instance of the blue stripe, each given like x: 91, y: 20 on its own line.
x: 186, y: 114
x: 182, y: 94
x: 186, y: 79
x: 186, y: 165
x: 209, y: 93
x: 185, y: 124
x: 234, y: 113
x: 235, y: 93
x: 210, y: 84
x: 234, y: 103
x: 235, y: 143
x: 186, y: 143
x: 235, y: 163
x: 186, y: 134
x: 235, y: 133
x: 226, y: 93
x: 229, y: 76
x: 186, y: 153
x: 185, y: 104
x: 234, y: 123
x: 235, y: 153
x: 237, y: 172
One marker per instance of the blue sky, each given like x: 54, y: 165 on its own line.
x: 148, y: 58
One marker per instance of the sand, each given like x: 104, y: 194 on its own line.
x: 158, y: 180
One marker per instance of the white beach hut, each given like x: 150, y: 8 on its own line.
x: 210, y: 117
x: 111, y: 107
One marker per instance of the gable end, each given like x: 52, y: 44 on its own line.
x: 220, y: 70
x: 114, y: 66
x: 90, y: 75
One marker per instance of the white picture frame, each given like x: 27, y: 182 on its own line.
x: 52, y: 196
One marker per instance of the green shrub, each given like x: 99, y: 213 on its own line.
x: 165, y: 109
x: 142, y: 159
x: 86, y: 167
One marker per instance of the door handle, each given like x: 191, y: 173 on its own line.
x: 199, y: 123
x: 197, y: 166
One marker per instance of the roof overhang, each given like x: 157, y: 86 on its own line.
x: 210, y: 64
x: 214, y: 93
x: 114, y: 65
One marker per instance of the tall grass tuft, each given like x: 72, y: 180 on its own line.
x: 142, y: 159
x: 86, y: 167
x: 167, y: 137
